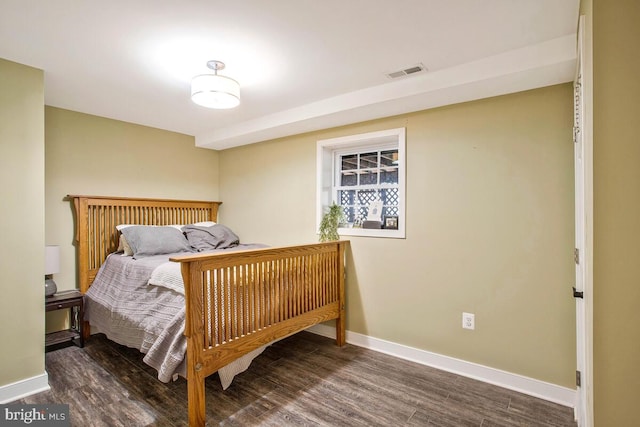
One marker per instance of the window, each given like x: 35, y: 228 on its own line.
x: 365, y: 175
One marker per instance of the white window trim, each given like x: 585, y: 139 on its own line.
x: 326, y: 176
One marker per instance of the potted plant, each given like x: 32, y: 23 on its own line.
x: 330, y: 223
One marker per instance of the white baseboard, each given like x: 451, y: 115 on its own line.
x: 543, y: 390
x: 24, y: 388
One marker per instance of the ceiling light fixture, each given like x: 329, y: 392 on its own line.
x: 213, y: 90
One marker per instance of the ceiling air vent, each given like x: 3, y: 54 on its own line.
x: 418, y: 68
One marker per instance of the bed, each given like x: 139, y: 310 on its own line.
x: 260, y: 295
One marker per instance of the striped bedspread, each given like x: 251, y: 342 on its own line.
x: 128, y: 310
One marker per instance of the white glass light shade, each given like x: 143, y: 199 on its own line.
x: 51, y: 259
x: 214, y: 91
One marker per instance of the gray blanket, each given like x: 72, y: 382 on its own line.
x: 216, y: 236
x: 121, y: 304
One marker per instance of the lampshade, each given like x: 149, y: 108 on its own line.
x: 213, y: 90
x: 51, y: 259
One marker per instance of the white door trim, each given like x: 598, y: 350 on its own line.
x: 584, y: 223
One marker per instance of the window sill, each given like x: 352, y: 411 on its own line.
x: 372, y: 232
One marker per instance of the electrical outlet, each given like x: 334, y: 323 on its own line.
x: 468, y: 321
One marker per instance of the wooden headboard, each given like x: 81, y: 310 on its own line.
x: 96, y: 218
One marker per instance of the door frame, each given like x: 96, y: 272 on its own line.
x: 584, y: 222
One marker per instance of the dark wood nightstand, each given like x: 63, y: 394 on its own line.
x: 72, y: 300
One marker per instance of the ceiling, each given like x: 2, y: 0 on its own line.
x: 302, y: 65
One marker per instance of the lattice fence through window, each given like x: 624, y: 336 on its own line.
x: 355, y: 203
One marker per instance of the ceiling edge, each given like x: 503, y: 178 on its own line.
x: 539, y: 65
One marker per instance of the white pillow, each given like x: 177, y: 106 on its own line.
x: 123, y: 246
x: 204, y: 224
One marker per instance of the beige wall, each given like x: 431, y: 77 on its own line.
x: 93, y: 155
x: 616, y: 316
x: 22, y: 222
x: 489, y: 230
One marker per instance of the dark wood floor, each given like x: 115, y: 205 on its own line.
x: 303, y: 380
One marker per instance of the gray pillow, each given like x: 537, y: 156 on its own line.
x: 217, y: 236
x: 148, y: 240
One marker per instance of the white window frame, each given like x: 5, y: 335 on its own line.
x: 326, y: 175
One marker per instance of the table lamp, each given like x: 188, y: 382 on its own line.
x: 51, y: 267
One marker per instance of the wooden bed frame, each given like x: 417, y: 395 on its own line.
x: 235, y: 302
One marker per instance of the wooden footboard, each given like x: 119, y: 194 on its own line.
x: 240, y: 301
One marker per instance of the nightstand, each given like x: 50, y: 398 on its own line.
x: 72, y: 300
